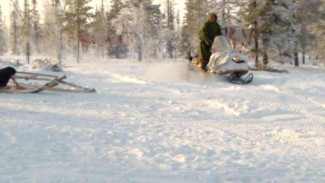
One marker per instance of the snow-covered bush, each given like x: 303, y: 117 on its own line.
x: 47, y: 64
x: 11, y: 62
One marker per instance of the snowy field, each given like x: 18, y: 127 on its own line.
x: 160, y: 123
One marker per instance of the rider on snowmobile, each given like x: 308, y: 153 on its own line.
x: 208, y: 32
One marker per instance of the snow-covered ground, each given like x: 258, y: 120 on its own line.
x: 160, y: 123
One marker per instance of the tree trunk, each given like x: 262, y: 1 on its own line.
x: 28, y: 52
x: 296, y: 55
x: 15, y: 51
x: 60, y: 46
x: 78, y: 44
x: 256, y: 46
x: 265, y: 58
x: 78, y: 33
x: 223, y: 16
x: 36, y: 26
x: 303, y: 56
x: 140, y: 53
x: 117, y: 52
x: 296, y: 59
x: 36, y: 38
x: 28, y: 48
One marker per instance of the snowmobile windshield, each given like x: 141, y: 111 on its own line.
x: 220, y: 44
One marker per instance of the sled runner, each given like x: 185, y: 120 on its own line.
x: 238, y: 78
x: 226, y: 62
x: 24, y: 89
x: 35, y: 82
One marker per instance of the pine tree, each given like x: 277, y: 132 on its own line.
x: 275, y: 28
x: 315, y: 26
x: 195, y: 16
x: 116, y: 7
x: 99, y: 30
x: 76, y: 21
x: 99, y: 24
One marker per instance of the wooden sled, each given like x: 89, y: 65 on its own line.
x: 35, y: 82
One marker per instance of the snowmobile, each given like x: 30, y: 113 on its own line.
x: 226, y: 62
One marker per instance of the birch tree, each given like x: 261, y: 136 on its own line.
x: 3, y: 40
x: 53, y: 29
x: 26, y: 29
x: 14, y: 28
x: 36, y: 26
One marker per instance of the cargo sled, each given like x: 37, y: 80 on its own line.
x: 226, y: 62
x: 36, y: 82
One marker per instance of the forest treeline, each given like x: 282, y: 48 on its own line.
x: 141, y: 29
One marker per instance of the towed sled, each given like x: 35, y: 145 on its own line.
x: 226, y: 62
x: 35, y: 82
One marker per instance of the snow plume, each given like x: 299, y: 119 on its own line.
x: 174, y: 73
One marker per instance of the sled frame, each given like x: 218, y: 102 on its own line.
x: 52, y: 83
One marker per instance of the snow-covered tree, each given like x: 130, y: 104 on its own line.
x: 250, y: 14
x: 308, y: 17
x: 3, y: 41
x: 116, y: 50
x: 275, y: 26
x: 130, y: 23
x: 319, y: 30
x: 226, y: 11
x: 154, y: 21
x: 283, y: 27
x: 139, y: 23
x: 53, y: 29
x: 171, y: 35
x: 184, y: 42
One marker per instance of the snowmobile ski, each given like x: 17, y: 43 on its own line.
x: 237, y: 78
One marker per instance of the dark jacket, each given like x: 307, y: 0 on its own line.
x: 210, y: 30
x: 5, y: 75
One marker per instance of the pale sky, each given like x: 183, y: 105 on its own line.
x: 6, y: 4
